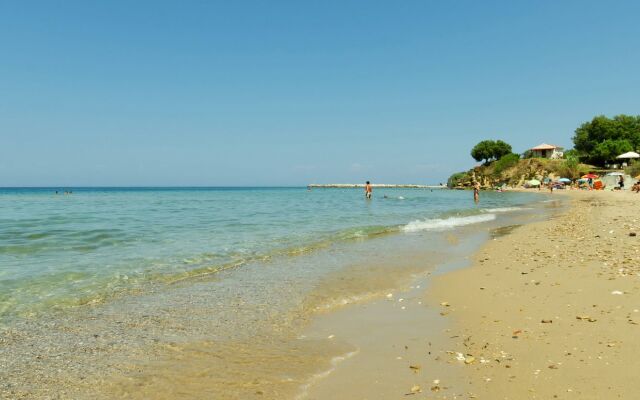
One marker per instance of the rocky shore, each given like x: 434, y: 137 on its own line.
x: 515, y: 175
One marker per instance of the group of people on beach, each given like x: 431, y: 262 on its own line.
x: 368, y: 190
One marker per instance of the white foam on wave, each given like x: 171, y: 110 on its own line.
x: 439, y: 224
x: 502, y: 209
x: 345, y: 301
x: 319, y: 376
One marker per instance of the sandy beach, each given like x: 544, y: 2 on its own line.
x: 552, y: 309
x: 207, y: 200
x: 547, y: 309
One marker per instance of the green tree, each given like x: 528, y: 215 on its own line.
x: 609, y: 149
x: 483, y: 151
x: 598, y: 139
x: 488, y: 150
x: 501, y: 149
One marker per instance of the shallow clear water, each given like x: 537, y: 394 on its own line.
x: 58, y: 250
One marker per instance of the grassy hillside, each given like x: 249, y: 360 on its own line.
x: 513, y: 171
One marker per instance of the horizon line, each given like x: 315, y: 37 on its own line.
x: 182, y: 186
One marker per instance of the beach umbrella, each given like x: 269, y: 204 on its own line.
x: 564, y: 180
x: 592, y: 176
x: 615, y: 174
x: 630, y: 154
x: 534, y: 182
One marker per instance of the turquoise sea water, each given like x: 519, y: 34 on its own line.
x: 60, y: 250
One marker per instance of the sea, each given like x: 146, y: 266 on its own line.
x: 238, y: 268
x: 60, y: 250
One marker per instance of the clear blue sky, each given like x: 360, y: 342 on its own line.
x: 291, y: 92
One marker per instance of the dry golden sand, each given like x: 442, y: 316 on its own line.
x: 552, y: 310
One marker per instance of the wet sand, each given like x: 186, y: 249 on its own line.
x: 396, y: 341
x: 552, y: 310
x: 402, y: 342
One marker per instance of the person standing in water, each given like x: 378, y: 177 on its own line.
x: 368, y: 191
x: 476, y: 191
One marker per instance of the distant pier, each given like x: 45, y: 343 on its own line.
x: 374, y: 185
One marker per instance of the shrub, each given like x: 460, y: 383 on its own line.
x: 505, y: 162
x: 455, y: 178
x: 633, y: 169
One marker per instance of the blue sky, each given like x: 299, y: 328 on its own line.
x: 292, y: 92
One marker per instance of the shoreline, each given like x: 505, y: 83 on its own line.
x: 395, y: 337
x: 552, y: 309
x: 161, y: 344
x: 401, y: 339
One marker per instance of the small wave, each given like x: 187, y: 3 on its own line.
x: 321, y: 375
x: 345, y: 301
x: 503, y: 209
x: 447, y: 223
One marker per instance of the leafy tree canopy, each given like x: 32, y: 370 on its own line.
x: 609, y: 150
x: 490, y: 150
x: 603, y: 138
x: 483, y: 150
x: 501, y: 149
